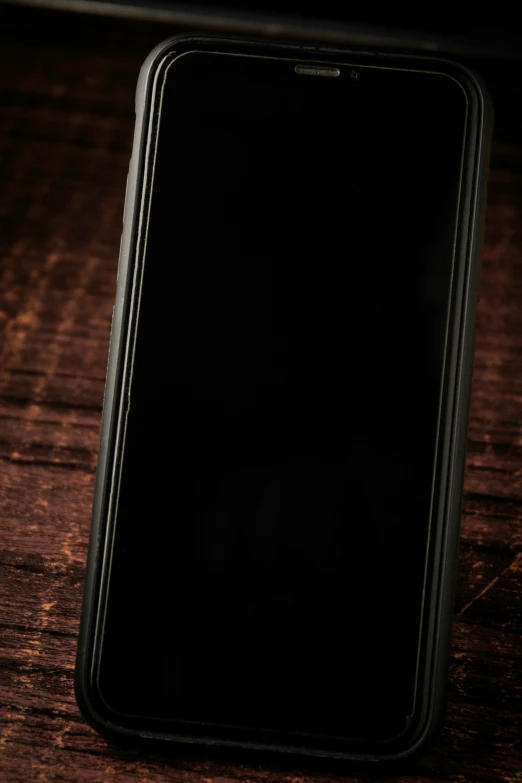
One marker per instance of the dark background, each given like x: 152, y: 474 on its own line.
x: 67, y: 85
x: 483, y: 31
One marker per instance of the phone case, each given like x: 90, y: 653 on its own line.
x: 452, y: 441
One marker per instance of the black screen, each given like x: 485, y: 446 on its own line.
x: 274, y: 507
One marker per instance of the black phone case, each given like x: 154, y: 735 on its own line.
x: 453, y: 431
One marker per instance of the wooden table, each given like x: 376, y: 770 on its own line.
x: 66, y: 118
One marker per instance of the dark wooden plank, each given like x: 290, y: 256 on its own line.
x: 66, y: 118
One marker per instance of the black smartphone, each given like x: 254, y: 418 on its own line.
x: 276, y: 513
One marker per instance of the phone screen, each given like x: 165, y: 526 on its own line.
x: 273, y: 517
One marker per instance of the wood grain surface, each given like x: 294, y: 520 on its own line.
x: 66, y: 120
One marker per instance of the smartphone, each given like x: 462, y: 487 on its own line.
x: 276, y: 513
